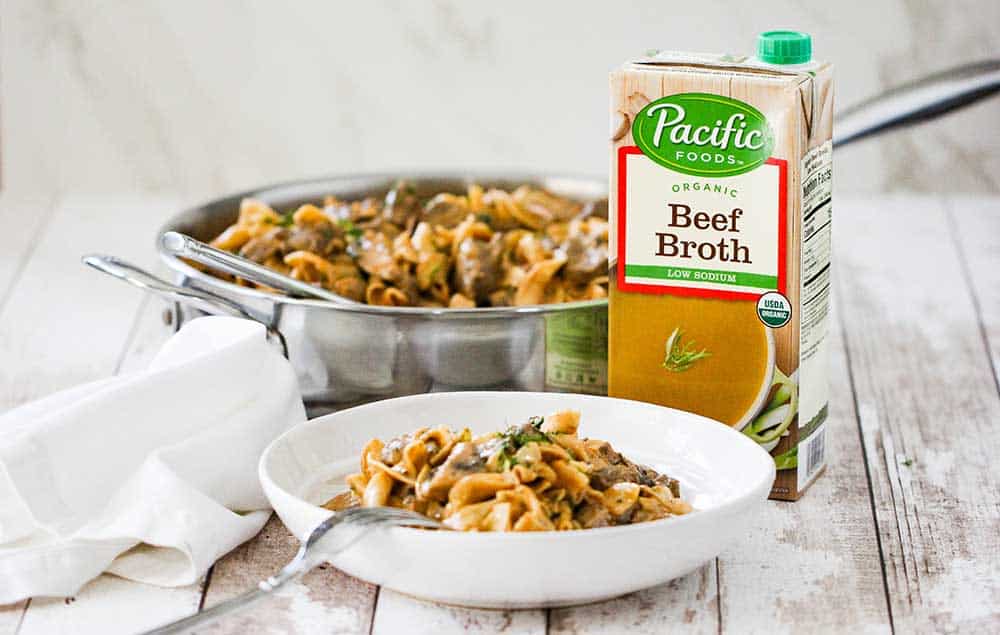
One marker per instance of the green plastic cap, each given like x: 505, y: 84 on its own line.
x: 784, y: 47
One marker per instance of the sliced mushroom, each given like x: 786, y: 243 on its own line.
x: 447, y: 210
x: 402, y: 205
x: 463, y: 460
x: 375, y: 257
x: 586, y: 257
x: 543, y: 204
x: 477, y: 268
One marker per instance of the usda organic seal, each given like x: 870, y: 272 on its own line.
x: 774, y: 309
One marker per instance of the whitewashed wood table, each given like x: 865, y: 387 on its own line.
x: 901, y: 534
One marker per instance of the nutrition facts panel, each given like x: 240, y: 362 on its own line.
x: 817, y: 214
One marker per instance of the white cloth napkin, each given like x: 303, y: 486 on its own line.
x: 151, y: 476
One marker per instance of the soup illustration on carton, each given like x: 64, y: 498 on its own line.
x: 720, y: 231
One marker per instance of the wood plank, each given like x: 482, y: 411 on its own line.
x: 28, y: 217
x: 325, y: 600
x: 25, y: 218
x: 928, y: 408
x: 66, y: 324
x: 976, y: 223
x: 690, y: 603
x: 149, y: 331
x: 813, y: 563
x: 397, y: 613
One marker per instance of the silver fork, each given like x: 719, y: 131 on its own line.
x: 333, y: 535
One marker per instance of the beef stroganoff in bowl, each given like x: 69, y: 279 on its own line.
x: 535, y: 476
x: 657, y: 493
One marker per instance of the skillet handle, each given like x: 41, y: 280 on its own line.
x: 184, y: 246
x: 196, y: 298
x: 922, y: 100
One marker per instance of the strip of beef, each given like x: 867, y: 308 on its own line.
x: 592, y: 512
x: 594, y: 209
x: 267, y: 246
x: 323, y: 239
x: 610, y: 467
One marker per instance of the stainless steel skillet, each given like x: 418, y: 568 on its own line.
x: 349, y: 353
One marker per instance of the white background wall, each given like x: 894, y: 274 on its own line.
x: 201, y: 98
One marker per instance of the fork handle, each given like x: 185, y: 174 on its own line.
x: 266, y: 588
x: 211, y: 614
x: 305, y: 560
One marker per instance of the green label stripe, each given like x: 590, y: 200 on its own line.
x: 684, y: 274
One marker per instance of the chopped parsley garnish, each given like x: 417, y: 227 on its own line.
x: 515, y: 438
x: 534, y: 437
x: 434, y: 271
x: 484, y: 218
x: 352, y: 231
x: 286, y: 220
x: 505, y: 461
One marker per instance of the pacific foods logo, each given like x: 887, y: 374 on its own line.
x: 703, y: 134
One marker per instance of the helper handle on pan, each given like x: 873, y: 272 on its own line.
x: 186, y: 247
x: 196, y: 298
x: 918, y: 101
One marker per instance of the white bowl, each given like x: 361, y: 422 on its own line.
x: 723, y: 474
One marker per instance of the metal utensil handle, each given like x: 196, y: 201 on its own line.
x: 137, y: 277
x: 921, y: 100
x: 295, y: 569
x: 360, y: 519
x: 187, y: 247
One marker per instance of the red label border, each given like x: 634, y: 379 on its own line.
x: 782, y: 164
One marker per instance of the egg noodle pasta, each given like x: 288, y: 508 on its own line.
x: 536, y: 476
x: 480, y: 248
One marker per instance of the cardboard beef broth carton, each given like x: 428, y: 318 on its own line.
x: 720, y: 274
